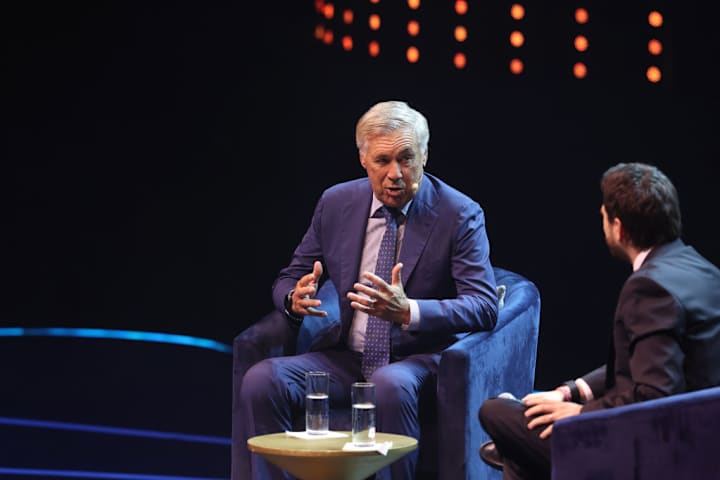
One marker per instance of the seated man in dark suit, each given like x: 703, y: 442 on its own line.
x: 436, y: 285
x: 666, y: 331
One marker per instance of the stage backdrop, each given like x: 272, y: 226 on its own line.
x: 163, y: 161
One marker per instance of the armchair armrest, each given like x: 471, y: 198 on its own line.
x: 668, y: 438
x: 274, y: 336
x: 483, y: 365
x: 271, y: 336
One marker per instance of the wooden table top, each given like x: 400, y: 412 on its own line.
x: 325, y: 458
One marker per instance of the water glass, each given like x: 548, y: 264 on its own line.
x: 363, y: 413
x: 317, y: 403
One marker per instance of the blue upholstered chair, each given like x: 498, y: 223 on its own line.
x: 669, y: 438
x: 480, y: 365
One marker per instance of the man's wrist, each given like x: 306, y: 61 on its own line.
x: 566, y: 393
x: 585, y: 391
x: 574, y: 392
x: 288, y: 307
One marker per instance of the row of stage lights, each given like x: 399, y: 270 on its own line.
x: 516, y: 37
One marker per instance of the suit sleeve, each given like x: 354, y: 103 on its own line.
x: 649, y: 357
x: 596, y: 381
x: 472, y: 306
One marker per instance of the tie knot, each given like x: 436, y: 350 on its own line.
x: 391, y: 214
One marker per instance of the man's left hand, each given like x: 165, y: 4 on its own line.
x: 381, y: 299
x: 546, y: 413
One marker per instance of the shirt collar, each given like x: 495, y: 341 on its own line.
x: 377, y: 204
x: 637, y: 263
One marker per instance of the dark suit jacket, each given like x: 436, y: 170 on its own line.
x: 445, y: 255
x: 666, y: 332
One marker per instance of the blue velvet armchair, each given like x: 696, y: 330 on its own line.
x: 480, y: 365
x: 669, y: 438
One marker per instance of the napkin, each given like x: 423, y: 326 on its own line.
x: 380, y: 447
x: 314, y: 436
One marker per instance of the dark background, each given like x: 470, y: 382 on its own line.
x: 162, y: 159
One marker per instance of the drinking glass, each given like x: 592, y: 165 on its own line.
x: 317, y: 403
x: 363, y: 413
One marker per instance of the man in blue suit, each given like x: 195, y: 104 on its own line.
x: 666, y: 331
x: 441, y: 287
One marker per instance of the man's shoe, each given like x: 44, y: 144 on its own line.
x: 490, y: 455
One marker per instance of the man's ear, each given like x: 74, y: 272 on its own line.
x: 619, y: 228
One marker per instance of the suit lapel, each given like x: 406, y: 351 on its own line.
x: 354, y: 220
x: 421, y: 220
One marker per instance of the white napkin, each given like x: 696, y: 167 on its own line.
x: 314, y: 436
x: 380, y: 447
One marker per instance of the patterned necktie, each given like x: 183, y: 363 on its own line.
x: 377, y: 332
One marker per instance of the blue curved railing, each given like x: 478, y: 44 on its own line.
x: 129, y: 335
x: 133, y: 335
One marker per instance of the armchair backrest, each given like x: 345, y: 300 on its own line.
x: 667, y: 438
x: 311, y: 326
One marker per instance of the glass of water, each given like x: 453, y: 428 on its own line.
x: 363, y: 413
x: 317, y: 403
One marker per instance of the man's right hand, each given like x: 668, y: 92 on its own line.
x: 302, y: 299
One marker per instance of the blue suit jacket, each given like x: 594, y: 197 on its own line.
x: 666, y: 333
x: 445, y: 255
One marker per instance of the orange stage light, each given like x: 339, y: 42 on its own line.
x: 348, y: 16
x: 412, y: 54
x: 461, y: 7
x: 517, y: 39
x: 580, y: 70
x: 374, y: 21
x: 347, y: 43
x: 581, y: 43
x: 581, y: 16
x: 460, y: 33
x: 413, y: 4
x: 328, y: 37
x: 516, y: 66
x: 653, y: 74
x: 517, y: 11
x: 655, y: 47
x: 459, y: 60
x: 319, y: 32
x: 413, y: 28
x: 329, y: 11
x: 655, y: 19
x: 374, y: 48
